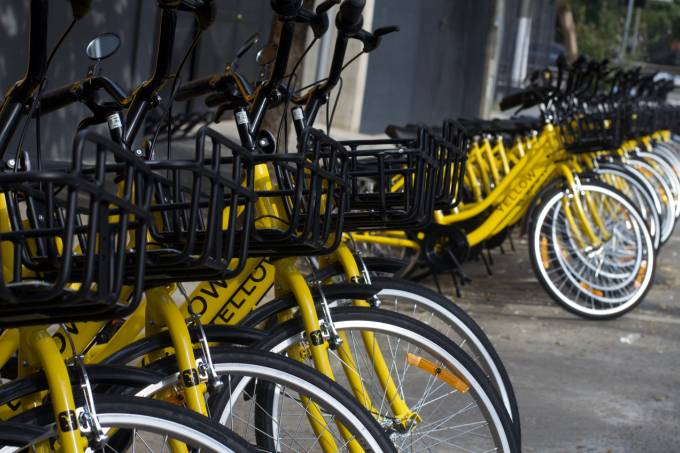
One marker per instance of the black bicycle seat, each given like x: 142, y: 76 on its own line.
x: 408, y: 132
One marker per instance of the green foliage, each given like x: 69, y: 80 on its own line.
x: 600, y: 27
x: 659, y: 29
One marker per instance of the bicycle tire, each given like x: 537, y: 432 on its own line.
x: 537, y: 251
x: 272, y: 370
x: 473, y: 337
x: 443, y: 351
x: 643, y: 195
x: 125, y: 413
x: 665, y: 194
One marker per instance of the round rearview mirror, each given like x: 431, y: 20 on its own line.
x: 103, y: 46
x: 266, y: 55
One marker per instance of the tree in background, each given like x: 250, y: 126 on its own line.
x: 660, y: 33
x: 567, y: 29
x: 600, y: 27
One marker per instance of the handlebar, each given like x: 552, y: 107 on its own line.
x: 204, y: 11
x: 17, y: 97
x: 80, y: 8
x: 59, y: 98
x: 79, y: 91
x: 349, y: 19
x: 525, y: 98
x: 197, y: 88
x: 371, y: 41
x: 169, y: 4
x: 286, y: 8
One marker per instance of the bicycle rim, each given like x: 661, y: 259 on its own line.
x: 571, y: 275
x: 442, y: 417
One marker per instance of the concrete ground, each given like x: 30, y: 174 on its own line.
x: 584, y: 386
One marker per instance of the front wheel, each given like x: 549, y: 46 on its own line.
x: 422, y: 304
x: 137, y: 424
x: 273, y: 402
x: 599, y: 282
x: 424, y: 390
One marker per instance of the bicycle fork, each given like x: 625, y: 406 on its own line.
x: 577, y: 218
x: 290, y: 279
x: 400, y: 410
x: 39, y: 351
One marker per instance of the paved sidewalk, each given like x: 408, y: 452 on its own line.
x: 584, y: 386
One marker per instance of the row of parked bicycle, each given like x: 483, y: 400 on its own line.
x: 593, y: 184
x: 104, y: 348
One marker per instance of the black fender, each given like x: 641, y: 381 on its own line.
x: 330, y: 292
x: 214, y: 333
x: 373, y: 263
x: 18, y: 434
x: 99, y: 375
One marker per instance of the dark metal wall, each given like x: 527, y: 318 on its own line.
x: 235, y: 22
x: 433, y: 68
x: 135, y: 21
x: 542, y: 37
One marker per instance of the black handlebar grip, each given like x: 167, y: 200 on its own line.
x: 58, y: 98
x: 286, y: 8
x: 204, y: 10
x: 195, y: 88
x: 350, y: 19
x: 169, y: 4
x: 80, y: 8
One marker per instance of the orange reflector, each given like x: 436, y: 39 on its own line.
x: 445, y: 375
x: 587, y: 287
x: 641, y: 274
x: 544, y: 253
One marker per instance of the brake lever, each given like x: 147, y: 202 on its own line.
x: 371, y: 41
x: 382, y: 31
x: 325, y: 6
x: 320, y: 23
x: 245, y: 47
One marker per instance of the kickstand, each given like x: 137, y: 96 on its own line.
x: 488, y: 252
x: 459, y: 269
x: 454, y: 278
x: 512, y: 243
x: 436, y: 280
x: 486, y: 264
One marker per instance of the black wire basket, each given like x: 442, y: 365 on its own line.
x: 389, y: 180
x: 452, y: 152
x: 597, y: 128
x: 397, y: 184
x: 302, y: 197
x: 73, y: 235
x: 203, y: 207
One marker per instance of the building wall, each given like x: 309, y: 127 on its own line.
x: 433, y: 68
x: 132, y: 20
x: 543, y: 20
